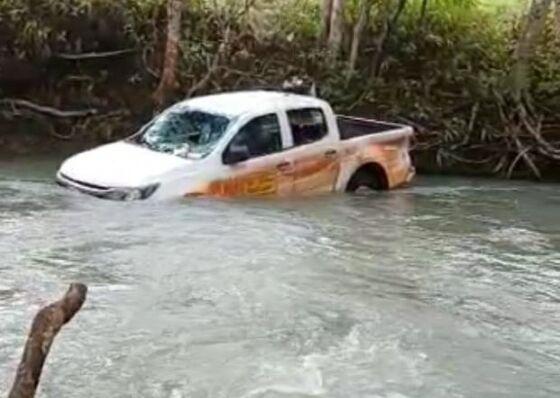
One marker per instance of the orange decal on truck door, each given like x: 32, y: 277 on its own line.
x: 315, y: 174
x: 264, y: 183
x: 317, y: 161
x: 255, y: 162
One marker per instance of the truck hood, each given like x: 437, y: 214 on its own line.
x: 121, y: 165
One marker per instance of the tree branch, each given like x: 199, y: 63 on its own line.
x: 47, y: 110
x: 84, y: 56
x: 45, y: 327
x: 213, y: 67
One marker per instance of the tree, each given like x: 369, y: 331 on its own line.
x: 326, y: 11
x: 333, y: 25
x: 363, y: 19
x: 423, y: 11
x: 389, y: 24
x: 168, y: 81
x: 557, y: 14
x: 533, y: 25
x: 337, y: 27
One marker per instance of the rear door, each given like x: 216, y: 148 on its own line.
x: 314, y: 150
x: 268, y: 171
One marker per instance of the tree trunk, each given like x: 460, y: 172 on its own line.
x: 45, y: 326
x: 534, y: 24
x: 388, y: 28
x: 358, y: 32
x: 326, y: 20
x: 168, y: 81
x: 423, y: 12
x: 336, y: 28
x: 557, y: 14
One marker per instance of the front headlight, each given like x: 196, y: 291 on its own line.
x: 148, y: 191
x: 132, y: 194
x: 129, y: 194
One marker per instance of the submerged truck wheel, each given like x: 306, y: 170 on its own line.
x: 369, y: 176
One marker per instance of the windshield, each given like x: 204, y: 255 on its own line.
x: 184, y: 133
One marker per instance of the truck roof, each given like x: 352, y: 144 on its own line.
x: 242, y: 102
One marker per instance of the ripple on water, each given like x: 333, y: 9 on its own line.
x: 446, y: 289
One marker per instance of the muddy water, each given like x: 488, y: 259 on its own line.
x: 450, y: 288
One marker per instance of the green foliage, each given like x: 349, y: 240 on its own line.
x: 442, y: 70
x: 546, y: 65
x: 298, y: 19
x: 39, y: 27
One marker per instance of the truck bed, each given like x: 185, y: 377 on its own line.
x: 352, y: 127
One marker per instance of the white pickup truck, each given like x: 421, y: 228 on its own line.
x: 250, y: 143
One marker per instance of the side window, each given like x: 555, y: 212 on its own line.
x: 261, y: 136
x: 308, y: 125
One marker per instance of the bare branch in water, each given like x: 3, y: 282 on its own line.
x: 45, y: 327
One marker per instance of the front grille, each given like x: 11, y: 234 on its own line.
x: 85, y: 184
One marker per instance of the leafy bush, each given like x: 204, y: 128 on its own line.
x: 448, y: 71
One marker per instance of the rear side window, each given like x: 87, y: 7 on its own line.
x: 307, y: 125
x: 261, y: 136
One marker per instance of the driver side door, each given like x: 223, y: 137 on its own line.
x: 255, y: 163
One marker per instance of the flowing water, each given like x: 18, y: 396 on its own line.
x: 449, y: 288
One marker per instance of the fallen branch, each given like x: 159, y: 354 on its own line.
x: 47, y: 110
x: 45, y: 326
x: 94, y: 55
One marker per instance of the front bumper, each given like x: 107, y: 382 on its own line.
x: 103, y: 192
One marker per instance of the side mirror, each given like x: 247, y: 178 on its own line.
x: 236, y: 154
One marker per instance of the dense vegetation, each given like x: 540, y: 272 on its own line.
x: 479, y: 79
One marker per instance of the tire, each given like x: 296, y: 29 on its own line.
x: 364, y: 178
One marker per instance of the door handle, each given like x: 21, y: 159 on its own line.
x: 284, y: 166
x: 331, y: 153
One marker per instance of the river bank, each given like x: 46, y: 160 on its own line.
x: 77, y: 74
x: 29, y: 137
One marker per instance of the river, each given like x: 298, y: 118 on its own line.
x: 449, y: 288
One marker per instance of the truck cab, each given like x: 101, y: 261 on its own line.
x: 253, y: 143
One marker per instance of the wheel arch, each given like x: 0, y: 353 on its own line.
x: 375, y: 170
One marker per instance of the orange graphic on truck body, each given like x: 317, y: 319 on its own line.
x: 262, y: 183
x: 314, y: 174
x: 391, y: 157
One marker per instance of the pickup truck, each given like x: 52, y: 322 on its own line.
x: 245, y: 144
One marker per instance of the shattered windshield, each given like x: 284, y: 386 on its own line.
x: 186, y: 133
